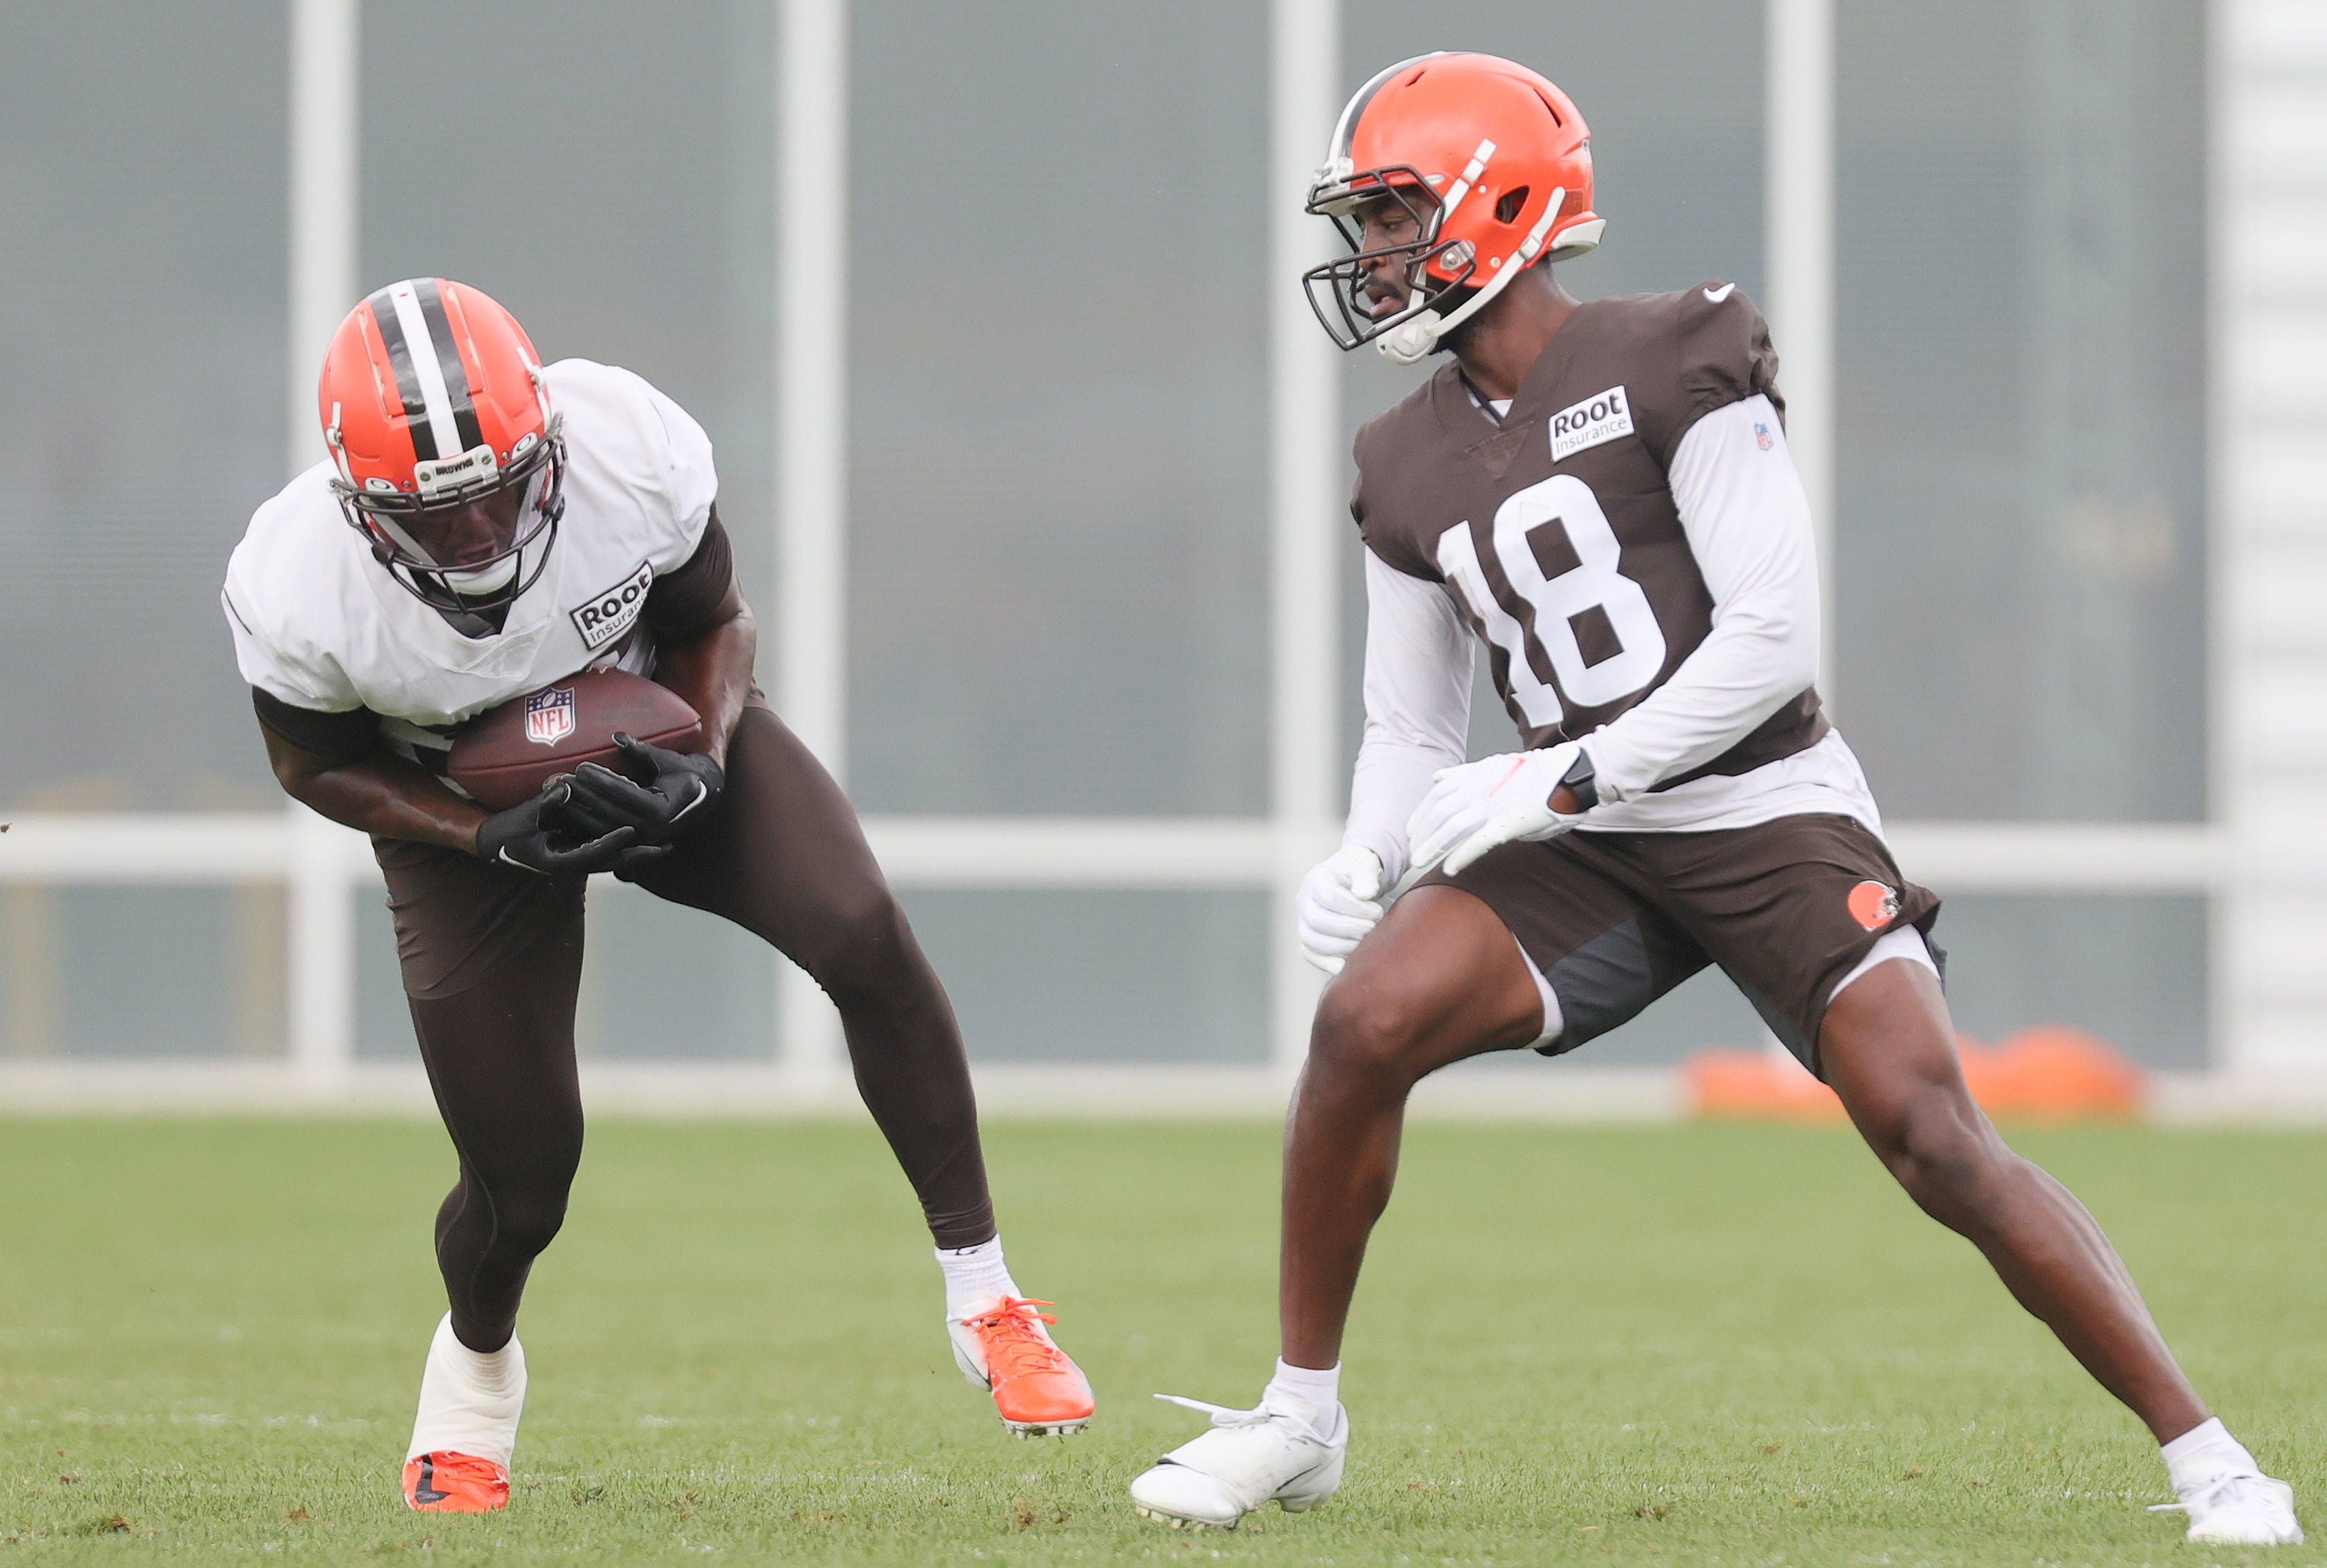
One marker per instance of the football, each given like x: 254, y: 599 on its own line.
x: 504, y: 755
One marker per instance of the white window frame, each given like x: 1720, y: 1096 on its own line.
x: 2262, y: 861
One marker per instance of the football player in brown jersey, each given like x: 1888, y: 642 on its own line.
x: 1600, y: 494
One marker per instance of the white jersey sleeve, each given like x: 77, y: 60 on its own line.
x: 268, y: 647
x: 1419, y: 659
x: 647, y: 445
x: 691, y: 480
x: 1748, y: 523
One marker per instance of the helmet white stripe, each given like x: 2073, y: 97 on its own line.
x: 426, y: 369
x: 1345, y: 129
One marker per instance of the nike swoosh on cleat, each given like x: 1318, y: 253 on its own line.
x: 1715, y: 296
x: 427, y: 1492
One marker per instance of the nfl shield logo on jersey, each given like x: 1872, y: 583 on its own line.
x: 550, y: 716
x: 1761, y: 435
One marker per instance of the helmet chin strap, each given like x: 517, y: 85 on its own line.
x: 485, y: 579
x: 1414, y: 341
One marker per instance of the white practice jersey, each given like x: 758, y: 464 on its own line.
x: 319, y: 623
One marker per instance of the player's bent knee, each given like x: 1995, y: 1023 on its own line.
x: 861, y: 946
x: 1370, y: 1031
x: 1941, y: 1148
x: 527, y: 1225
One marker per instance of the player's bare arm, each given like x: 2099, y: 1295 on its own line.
x: 712, y: 670
x: 1600, y: 494
x: 377, y: 793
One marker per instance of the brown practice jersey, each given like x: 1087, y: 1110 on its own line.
x: 1555, y: 531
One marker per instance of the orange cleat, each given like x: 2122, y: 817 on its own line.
x: 1000, y: 1346
x: 454, y: 1483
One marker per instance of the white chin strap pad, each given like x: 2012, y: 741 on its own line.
x: 485, y: 579
x: 1411, y: 343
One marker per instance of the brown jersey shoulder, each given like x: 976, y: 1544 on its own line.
x: 1434, y: 448
x: 1678, y: 355
x: 1647, y: 366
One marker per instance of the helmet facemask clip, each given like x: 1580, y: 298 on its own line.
x: 385, y: 517
x: 1336, y: 290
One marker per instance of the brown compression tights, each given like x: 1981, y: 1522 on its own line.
x: 493, y: 961
x: 514, y: 1110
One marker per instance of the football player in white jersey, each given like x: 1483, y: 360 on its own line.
x: 482, y: 527
x: 1600, y: 494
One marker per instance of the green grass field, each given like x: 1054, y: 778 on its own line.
x: 1708, y: 1344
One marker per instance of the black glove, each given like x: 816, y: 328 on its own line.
x: 603, y: 801
x: 535, y: 836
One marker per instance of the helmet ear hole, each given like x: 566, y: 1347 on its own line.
x: 1508, y: 207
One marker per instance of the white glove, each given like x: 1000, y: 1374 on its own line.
x: 1338, y: 904
x: 1495, y: 800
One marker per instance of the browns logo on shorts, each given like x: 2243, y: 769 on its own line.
x: 1614, y: 921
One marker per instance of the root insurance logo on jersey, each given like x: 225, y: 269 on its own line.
x: 614, y: 610
x: 1602, y: 416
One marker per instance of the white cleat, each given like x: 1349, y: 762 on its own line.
x: 466, y: 1433
x: 2240, y: 1508
x: 1287, y: 1448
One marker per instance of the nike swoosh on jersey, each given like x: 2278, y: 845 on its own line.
x: 1715, y: 296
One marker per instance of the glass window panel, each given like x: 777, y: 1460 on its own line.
x: 1140, y: 976
x: 1058, y: 480
x: 1672, y: 91
x: 659, y: 983
x: 161, y: 972
x: 2022, y: 472
x: 142, y: 233
x: 2131, y: 969
x: 607, y: 171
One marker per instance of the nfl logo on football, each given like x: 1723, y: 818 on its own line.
x: 550, y: 716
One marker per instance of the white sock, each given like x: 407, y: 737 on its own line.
x: 470, y: 1400
x: 971, y: 1272
x: 2205, y: 1453
x: 1321, y: 1389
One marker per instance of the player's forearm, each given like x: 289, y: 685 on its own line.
x: 1752, y: 664
x: 712, y: 671
x: 1417, y: 689
x: 385, y: 795
x: 1389, y: 780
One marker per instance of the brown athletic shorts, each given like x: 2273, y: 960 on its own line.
x: 780, y: 854
x: 1613, y: 921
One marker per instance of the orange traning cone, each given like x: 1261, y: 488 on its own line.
x: 2051, y: 1073
x: 2054, y: 1073
x: 1759, y: 1085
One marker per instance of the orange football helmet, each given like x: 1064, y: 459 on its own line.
x: 1495, y: 166
x: 432, y: 397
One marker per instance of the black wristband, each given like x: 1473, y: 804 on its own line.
x: 1580, y: 782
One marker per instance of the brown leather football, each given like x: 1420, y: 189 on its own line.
x: 504, y: 755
